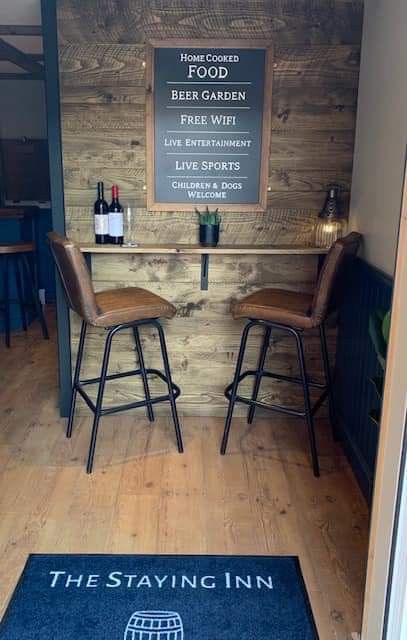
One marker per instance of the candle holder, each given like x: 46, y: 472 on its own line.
x: 331, y: 225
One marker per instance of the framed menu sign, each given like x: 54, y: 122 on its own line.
x: 208, y: 124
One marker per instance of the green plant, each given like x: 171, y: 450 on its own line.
x: 209, y: 218
x: 379, y: 330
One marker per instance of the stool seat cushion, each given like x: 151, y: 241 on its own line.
x: 277, y: 305
x: 16, y: 247
x: 117, y: 306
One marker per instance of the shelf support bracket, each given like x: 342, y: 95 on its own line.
x: 88, y: 260
x: 204, y: 271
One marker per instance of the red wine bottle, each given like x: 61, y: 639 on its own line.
x: 115, y: 218
x: 101, y: 211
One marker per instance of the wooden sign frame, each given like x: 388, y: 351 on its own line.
x: 261, y: 205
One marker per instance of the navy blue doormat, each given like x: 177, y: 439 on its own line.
x: 141, y: 597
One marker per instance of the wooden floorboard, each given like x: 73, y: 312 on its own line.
x: 143, y: 497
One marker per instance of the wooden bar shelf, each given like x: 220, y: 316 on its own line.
x: 204, y: 252
x: 225, y: 249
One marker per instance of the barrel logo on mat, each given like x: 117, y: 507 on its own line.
x: 154, y: 625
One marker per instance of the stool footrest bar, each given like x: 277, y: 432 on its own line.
x: 176, y: 392
x: 124, y: 374
x: 262, y: 405
x: 276, y: 407
x: 134, y: 405
x: 85, y: 396
x: 319, y: 402
x: 278, y: 376
x: 112, y: 376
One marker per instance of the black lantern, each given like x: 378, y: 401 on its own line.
x: 330, y: 225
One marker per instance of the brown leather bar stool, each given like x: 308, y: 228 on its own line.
x: 17, y: 255
x: 295, y: 313
x: 115, y: 310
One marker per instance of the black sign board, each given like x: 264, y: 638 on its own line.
x: 208, y: 125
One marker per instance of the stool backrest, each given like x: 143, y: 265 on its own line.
x: 339, y: 254
x: 75, y: 276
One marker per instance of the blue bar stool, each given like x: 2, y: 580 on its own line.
x: 15, y: 257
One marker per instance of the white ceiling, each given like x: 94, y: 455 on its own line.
x: 9, y: 67
x: 20, y: 12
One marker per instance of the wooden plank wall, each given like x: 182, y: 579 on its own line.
x: 101, y: 52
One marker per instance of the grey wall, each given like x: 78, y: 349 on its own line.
x: 381, y: 133
x: 22, y: 109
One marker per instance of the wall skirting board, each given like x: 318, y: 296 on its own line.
x: 356, y: 363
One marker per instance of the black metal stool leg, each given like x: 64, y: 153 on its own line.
x: 328, y: 380
x: 260, y: 366
x: 76, y: 379
x: 307, y: 404
x: 99, y: 400
x: 20, y: 293
x: 37, y: 303
x: 6, y: 288
x: 234, y: 387
x: 150, y: 412
x: 167, y: 371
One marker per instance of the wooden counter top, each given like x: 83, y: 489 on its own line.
x: 199, y: 250
x: 195, y: 249
x: 17, y: 213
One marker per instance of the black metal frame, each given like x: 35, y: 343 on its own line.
x: 231, y: 391
x: 97, y: 409
x: 21, y: 268
x: 204, y: 271
x: 50, y: 46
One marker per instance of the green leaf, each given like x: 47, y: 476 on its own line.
x: 379, y: 330
x: 378, y: 385
x: 386, y: 327
x: 376, y: 335
x: 208, y: 218
x: 375, y: 416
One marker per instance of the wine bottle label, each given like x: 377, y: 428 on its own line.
x: 116, y: 224
x: 101, y: 225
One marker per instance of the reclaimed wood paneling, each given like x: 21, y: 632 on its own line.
x: 277, y: 225
x: 291, y: 22
x: 316, y: 64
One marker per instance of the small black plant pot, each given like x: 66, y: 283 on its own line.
x: 208, y: 235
